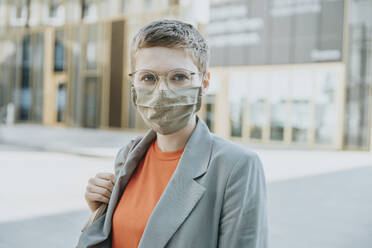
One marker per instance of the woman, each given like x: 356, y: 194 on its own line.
x: 180, y: 186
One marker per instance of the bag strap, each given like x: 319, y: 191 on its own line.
x: 102, y: 208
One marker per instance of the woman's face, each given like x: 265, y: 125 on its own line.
x: 162, y: 60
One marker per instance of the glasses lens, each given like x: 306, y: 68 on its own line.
x: 144, y: 80
x: 179, y: 79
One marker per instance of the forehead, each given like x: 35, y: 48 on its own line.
x: 162, y: 59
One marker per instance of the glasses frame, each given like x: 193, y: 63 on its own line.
x: 165, y: 75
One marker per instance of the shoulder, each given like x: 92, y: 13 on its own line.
x: 230, y: 151
x: 232, y: 159
x: 242, y: 167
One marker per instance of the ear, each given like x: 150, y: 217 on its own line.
x: 206, y: 79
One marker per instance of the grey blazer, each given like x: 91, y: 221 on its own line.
x: 216, y: 197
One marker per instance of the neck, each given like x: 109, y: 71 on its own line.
x: 176, y: 141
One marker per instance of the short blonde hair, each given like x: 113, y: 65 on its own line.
x: 172, y: 34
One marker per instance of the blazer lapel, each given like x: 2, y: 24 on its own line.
x: 133, y: 159
x: 182, y: 192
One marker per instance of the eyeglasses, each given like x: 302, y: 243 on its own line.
x: 174, y: 79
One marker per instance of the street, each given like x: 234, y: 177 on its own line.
x: 42, y: 201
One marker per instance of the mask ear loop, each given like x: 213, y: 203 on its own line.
x: 202, y: 82
x: 200, y: 93
x: 134, y: 95
x: 132, y: 91
x: 200, y: 98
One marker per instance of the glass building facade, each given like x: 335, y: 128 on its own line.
x: 286, y: 105
x: 297, y: 72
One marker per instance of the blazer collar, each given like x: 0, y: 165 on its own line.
x: 198, y: 148
x: 179, y: 197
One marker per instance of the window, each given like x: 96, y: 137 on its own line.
x: 91, y: 47
x: 18, y: 15
x: 19, y: 12
x: 257, y: 95
x: 56, y: 13
x: 325, y: 107
x: 76, y: 77
x: 209, y: 102
x: 124, y: 6
x: 59, y: 52
x: 91, y: 102
x: 279, y: 92
x: 91, y: 55
x: 53, y: 10
x: 148, y: 4
x: 25, y: 80
x: 61, y: 102
x: 237, y: 90
x: 89, y: 10
x: 37, y: 76
x: 301, y: 93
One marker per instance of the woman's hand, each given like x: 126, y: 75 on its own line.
x: 99, y: 189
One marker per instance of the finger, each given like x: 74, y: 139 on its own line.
x: 107, y: 176
x: 107, y: 184
x: 99, y: 190
x: 97, y: 197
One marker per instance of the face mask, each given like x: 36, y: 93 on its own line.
x: 167, y: 111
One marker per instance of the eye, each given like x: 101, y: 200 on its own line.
x: 180, y: 77
x: 147, y: 78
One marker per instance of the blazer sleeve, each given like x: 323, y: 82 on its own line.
x: 243, y: 220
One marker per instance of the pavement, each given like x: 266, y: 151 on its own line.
x: 80, y: 141
x: 279, y: 163
x: 42, y: 201
x: 317, y: 198
x: 330, y: 210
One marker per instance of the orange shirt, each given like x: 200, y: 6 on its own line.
x: 141, y: 195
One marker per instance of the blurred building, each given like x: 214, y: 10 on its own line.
x: 284, y: 73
